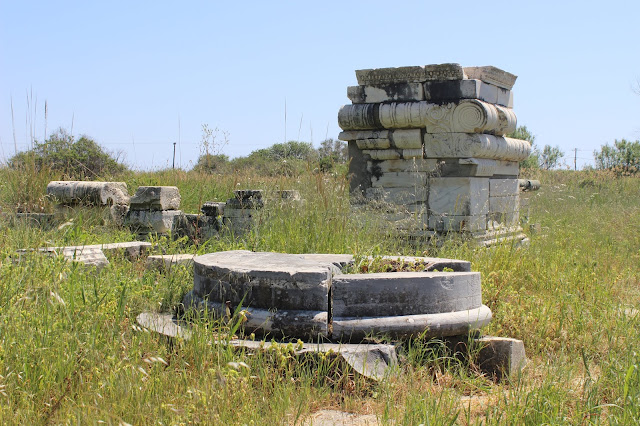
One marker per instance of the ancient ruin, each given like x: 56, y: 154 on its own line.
x: 312, y: 295
x: 427, y: 146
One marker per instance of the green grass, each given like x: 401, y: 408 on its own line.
x: 70, y: 351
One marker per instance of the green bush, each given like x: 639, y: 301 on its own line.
x: 623, y: 157
x: 75, y: 159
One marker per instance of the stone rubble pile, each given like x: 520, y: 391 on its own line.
x: 427, y: 144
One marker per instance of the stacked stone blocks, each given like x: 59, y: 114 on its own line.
x: 428, y: 144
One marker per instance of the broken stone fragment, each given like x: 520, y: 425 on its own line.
x: 88, y: 193
x: 156, y: 198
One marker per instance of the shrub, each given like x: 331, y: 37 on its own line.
x: 74, y: 159
x: 623, y: 157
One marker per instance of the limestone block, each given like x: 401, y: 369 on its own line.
x: 352, y: 135
x: 447, y: 223
x: 411, y: 74
x: 461, y: 196
x: 492, y: 75
x: 505, y: 97
x: 488, y: 167
x: 212, y: 208
x: 88, y: 255
x: 245, y: 199
x: 466, y: 116
x: 465, y: 145
x: 438, y: 91
x: 373, y: 143
x: 507, y: 204
x: 264, y: 280
x: 156, y: 198
x: 145, y: 221
x: 411, y: 165
x: 500, y: 357
x: 382, y: 154
x: 131, y: 249
x: 91, y: 193
x: 379, y: 76
x: 412, y: 153
x: 386, y: 93
x: 504, y: 187
x: 400, y: 180
x: 196, y: 227
x: 397, y: 196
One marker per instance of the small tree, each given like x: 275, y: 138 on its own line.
x: 623, y: 157
x: 332, y: 152
x: 550, y: 157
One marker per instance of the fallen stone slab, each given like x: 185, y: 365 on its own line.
x: 94, y: 254
x: 164, y: 262
x: 374, y: 361
x: 88, y: 193
x: 156, y: 198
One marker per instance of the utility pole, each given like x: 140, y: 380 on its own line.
x: 575, y: 158
x: 174, y: 155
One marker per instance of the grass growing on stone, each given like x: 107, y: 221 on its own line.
x: 70, y: 350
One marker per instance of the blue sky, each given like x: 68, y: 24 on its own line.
x: 138, y: 76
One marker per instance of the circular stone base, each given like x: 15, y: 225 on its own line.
x: 309, y: 296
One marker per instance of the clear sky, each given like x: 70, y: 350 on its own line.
x: 138, y: 76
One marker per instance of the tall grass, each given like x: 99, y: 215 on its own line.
x: 70, y: 351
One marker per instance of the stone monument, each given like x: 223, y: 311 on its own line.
x: 427, y: 146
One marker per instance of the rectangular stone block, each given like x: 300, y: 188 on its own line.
x: 397, y: 196
x: 412, y: 165
x: 352, y: 135
x: 382, y: 154
x: 412, y: 153
x: 466, y: 145
x: 505, y: 97
x: 145, y: 221
x: 489, y: 167
x: 503, y: 187
x: 155, y: 198
x: 462, y: 196
x: 400, y: 180
x: 407, y: 139
x: 401, y: 138
x: 443, y: 72
x: 505, y: 204
x: 438, y: 91
x: 500, y: 357
x: 378, y: 76
x: 504, y: 218
x: 386, y: 93
x: 492, y: 75
x: 373, y: 143
x: 447, y: 223
x: 241, y: 213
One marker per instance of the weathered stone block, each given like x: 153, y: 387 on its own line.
x: 443, y: 72
x: 156, y: 198
x: 405, y: 139
x: 377, y: 76
x: 404, y: 293
x: 465, y: 145
x: 500, y: 357
x: 386, y: 93
x: 196, y: 227
x: 398, y: 196
x: 507, y: 204
x: 145, y: 221
x: 382, y: 154
x: 438, y: 91
x: 212, y: 208
x: 359, y: 176
x: 461, y: 196
x: 91, y: 193
x: 411, y: 165
x: 486, y: 167
x: 400, y: 180
x: 492, y: 75
x: 451, y: 223
x: 503, y: 187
